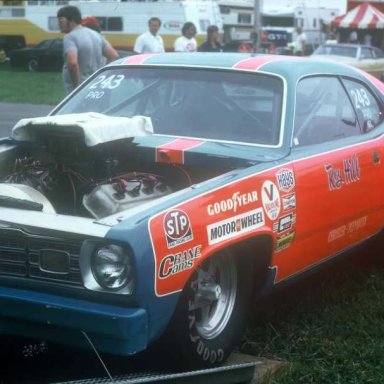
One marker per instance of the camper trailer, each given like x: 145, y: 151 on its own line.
x: 121, y: 21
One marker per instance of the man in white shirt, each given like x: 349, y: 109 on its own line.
x: 151, y: 41
x: 301, y: 42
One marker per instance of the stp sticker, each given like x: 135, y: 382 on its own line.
x: 177, y: 228
x: 271, y: 199
x: 285, y: 179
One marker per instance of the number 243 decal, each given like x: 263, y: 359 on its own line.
x: 110, y: 82
x: 360, y: 98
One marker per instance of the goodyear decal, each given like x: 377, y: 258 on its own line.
x: 237, y: 200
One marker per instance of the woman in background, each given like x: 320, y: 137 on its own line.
x: 212, y: 44
x: 186, y: 42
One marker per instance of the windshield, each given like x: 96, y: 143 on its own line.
x: 210, y: 104
x: 336, y: 50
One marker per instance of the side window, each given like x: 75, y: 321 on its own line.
x: 366, y: 53
x: 378, y: 53
x: 324, y: 112
x: 367, y: 108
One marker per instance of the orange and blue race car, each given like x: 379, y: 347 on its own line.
x: 168, y: 192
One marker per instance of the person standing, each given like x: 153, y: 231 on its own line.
x: 212, y: 44
x: 186, y: 42
x: 301, y: 42
x: 150, y: 41
x: 83, y: 49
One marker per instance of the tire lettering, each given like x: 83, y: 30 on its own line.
x: 200, y: 348
x: 206, y: 354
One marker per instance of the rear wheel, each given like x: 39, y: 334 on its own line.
x: 33, y: 65
x: 211, y: 314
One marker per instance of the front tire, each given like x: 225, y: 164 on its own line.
x: 212, y: 312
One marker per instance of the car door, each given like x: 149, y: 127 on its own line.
x: 52, y: 56
x: 337, y: 170
x: 56, y: 54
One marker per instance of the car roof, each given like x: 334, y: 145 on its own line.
x: 291, y: 68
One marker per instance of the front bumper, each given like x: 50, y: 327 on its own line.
x: 111, y: 329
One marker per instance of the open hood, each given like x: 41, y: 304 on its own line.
x: 96, y: 128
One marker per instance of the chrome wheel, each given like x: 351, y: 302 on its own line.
x: 215, y: 295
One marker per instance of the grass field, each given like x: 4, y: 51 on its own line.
x: 329, y: 328
x: 19, y: 86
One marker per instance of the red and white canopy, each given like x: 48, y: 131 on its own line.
x: 363, y: 16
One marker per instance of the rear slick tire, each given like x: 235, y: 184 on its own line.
x: 212, y: 312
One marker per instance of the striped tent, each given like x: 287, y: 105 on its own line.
x: 364, y: 16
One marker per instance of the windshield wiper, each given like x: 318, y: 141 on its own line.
x: 13, y: 202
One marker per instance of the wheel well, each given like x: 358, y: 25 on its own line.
x: 258, y: 251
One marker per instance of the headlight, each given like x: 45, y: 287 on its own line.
x: 112, y: 268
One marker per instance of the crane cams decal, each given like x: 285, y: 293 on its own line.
x: 271, y: 199
x: 349, y: 173
x: 179, y: 262
x: 226, y: 229
x: 286, y: 180
x: 177, y: 228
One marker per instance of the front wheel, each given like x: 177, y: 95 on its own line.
x: 212, y: 312
x: 33, y: 65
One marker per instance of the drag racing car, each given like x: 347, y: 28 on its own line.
x: 168, y: 192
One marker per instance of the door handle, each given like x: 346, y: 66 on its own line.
x: 376, y: 157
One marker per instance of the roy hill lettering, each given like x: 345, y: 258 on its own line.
x: 234, y: 226
x: 349, y: 173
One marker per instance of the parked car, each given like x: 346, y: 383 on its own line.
x: 47, y: 55
x: 9, y: 42
x: 169, y: 192
x: 366, y: 57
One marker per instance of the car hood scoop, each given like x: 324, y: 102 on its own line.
x: 95, y: 127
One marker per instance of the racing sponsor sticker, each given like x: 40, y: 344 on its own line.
x: 177, y: 228
x: 289, y: 201
x: 179, y: 262
x: 347, y: 174
x: 285, y: 180
x: 271, y: 199
x: 351, y: 227
x: 284, y: 241
x: 231, y: 204
x: 284, y: 223
x: 234, y: 226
